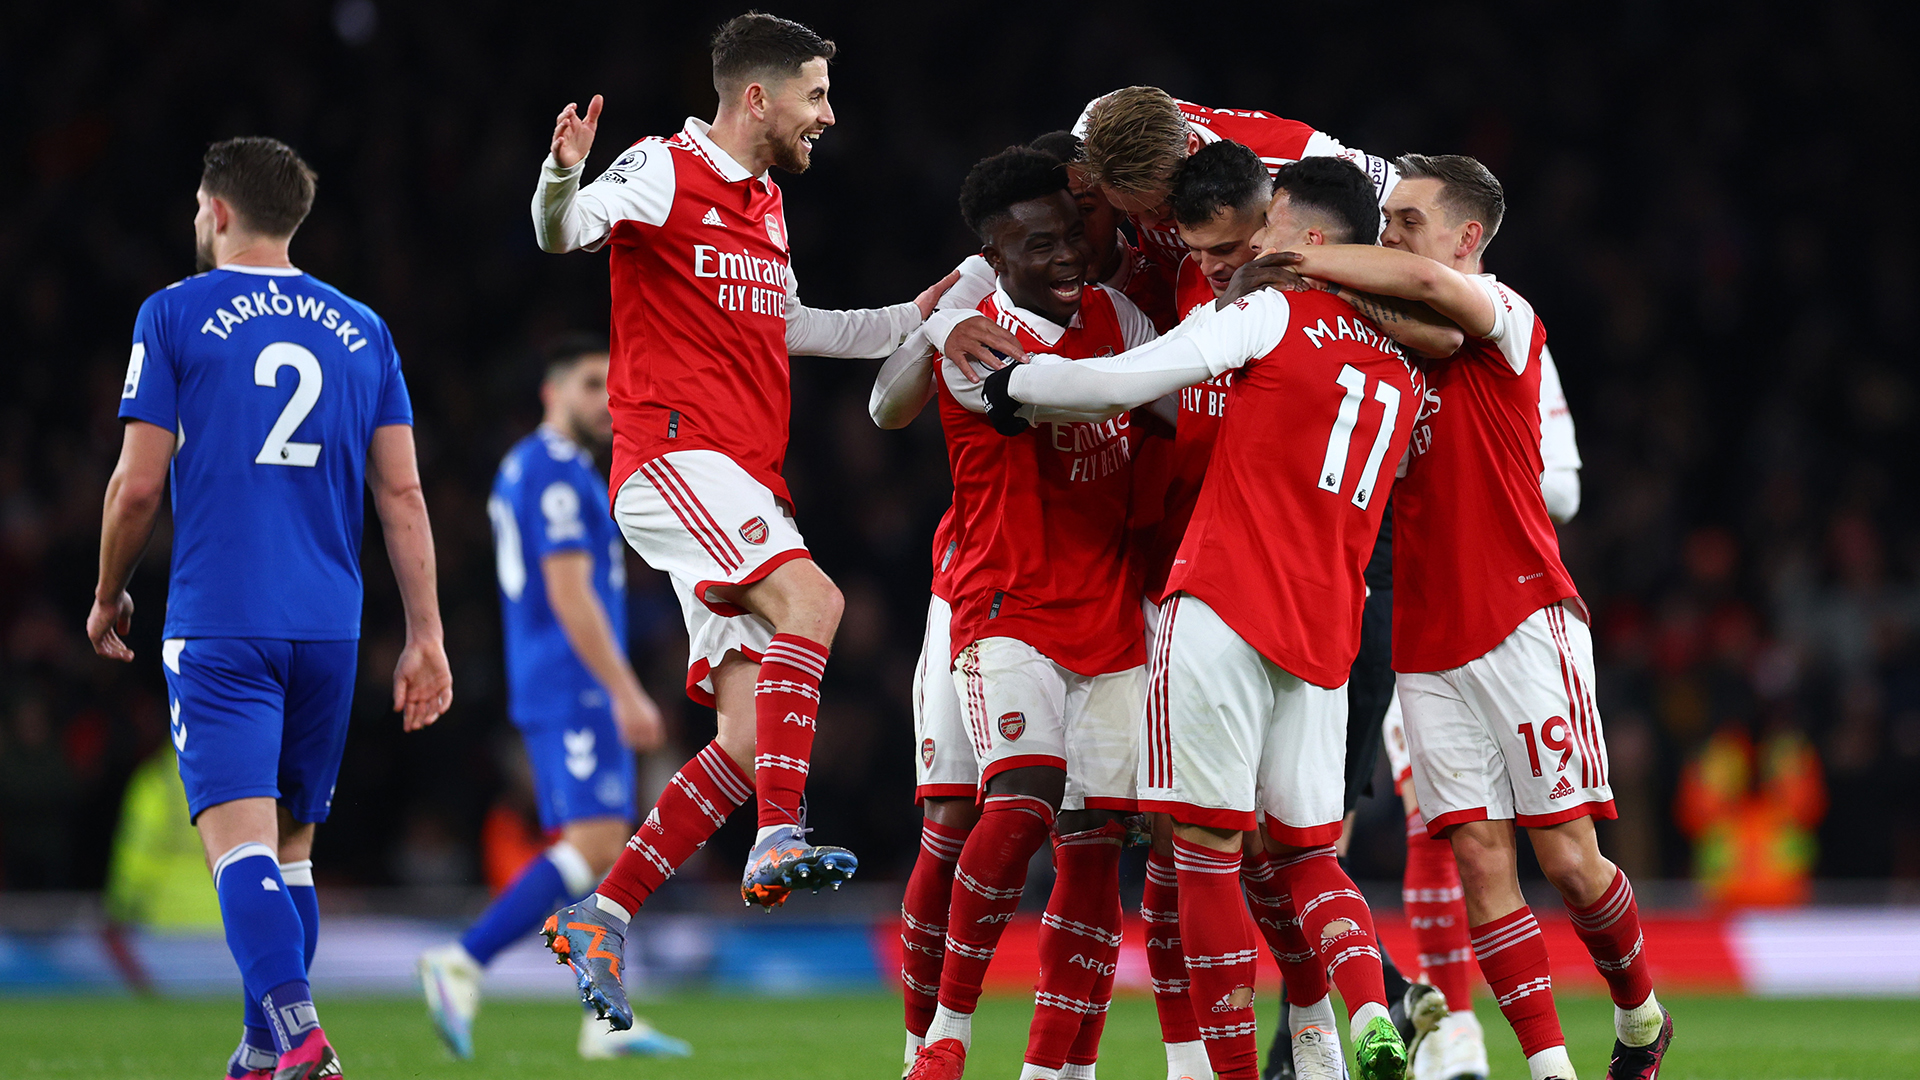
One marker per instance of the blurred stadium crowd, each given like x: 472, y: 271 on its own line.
x: 1702, y: 203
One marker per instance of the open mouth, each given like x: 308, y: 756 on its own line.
x: 811, y: 137
x: 1067, y: 292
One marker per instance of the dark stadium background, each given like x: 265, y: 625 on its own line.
x: 1707, y: 205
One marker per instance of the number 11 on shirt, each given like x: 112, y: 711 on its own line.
x: 1340, y: 439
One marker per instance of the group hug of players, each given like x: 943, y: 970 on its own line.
x: 1149, y: 592
x: 1163, y: 587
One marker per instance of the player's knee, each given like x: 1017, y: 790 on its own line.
x: 952, y: 813
x: 1578, y: 872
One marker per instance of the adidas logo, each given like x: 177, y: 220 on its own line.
x: 713, y: 217
x: 1560, y: 790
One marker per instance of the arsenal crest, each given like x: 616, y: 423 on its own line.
x: 754, y: 530
x: 926, y: 752
x: 774, y: 234
x: 1013, y: 725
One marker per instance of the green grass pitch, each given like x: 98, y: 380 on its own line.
x: 858, y: 1036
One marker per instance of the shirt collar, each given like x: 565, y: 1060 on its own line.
x: 1048, y: 331
x: 263, y: 271
x: 730, y: 170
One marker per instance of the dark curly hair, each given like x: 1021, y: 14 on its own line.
x: 1014, y: 175
x: 1220, y: 174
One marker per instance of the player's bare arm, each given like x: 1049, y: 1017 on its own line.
x: 422, y: 681
x: 1415, y: 326
x: 1387, y: 272
x: 133, y: 503
x: 569, y: 580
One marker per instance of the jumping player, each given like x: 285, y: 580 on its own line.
x: 1048, y: 654
x: 705, y: 314
x: 570, y: 689
x: 268, y: 398
x: 1246, y: 708
x: 1490, y: 634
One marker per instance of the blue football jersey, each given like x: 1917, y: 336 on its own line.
x: 548, y: 497
x: 272, y: 383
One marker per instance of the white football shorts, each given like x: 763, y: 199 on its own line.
x: 1023, y: 709
x: 1229, y: 737
x: 702, y: 520
x: 1514, y: 735
x: 1393, y: 736
x: 944, y: 764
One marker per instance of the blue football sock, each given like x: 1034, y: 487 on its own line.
x: 560, y: 876
x: 264, y: 934
x: 306, y: 901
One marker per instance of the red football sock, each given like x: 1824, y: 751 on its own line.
x: 785, y: 702
x: 923, y: 921
x: 1079, y: 941
x: 1221, y: 945
x: 1086, y: 1045
x: 1324, y: 896
x: 986, y: 891
x: 696, y: 802
x: 1513, y: 957
x: 1272, y: 907
x: 1166, y: 961
x: 1611, y: 930
x: 1430, y: 892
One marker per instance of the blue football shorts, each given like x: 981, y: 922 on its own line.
x: 257, y: 717
x: 580, y: 767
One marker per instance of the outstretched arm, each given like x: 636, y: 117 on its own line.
x: 859, y: 332
x: 1387, y: 272
x: 422, y: 682
x: 126, y: 524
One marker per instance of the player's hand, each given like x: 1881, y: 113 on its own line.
x: 639, y: 722
x: 1003, y: 412
x: 934, y: 292
x: 573, y: 134
x: 107, y: 623
x: 1274, y: 271
x: 982, y: 341
x: 422, y: 683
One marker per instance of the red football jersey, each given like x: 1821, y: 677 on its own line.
x: 1148, y: 284
x: 1293, y: 497
x: 1277, y: 140
x: 1201, y: 407
x: 1043, y: 516
x: 946, y: 550
x: 1474, y: 552
x: 699, y: 277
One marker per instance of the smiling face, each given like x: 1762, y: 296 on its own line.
x: 1222, y: 245
x: 796, y: 113
x: 1039, y: 250
x: 1418, y: 223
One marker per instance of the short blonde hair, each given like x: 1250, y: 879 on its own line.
x: 1136, y: 140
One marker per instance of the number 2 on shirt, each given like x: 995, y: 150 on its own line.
x: 266, y: 372
x: 1333, y: 471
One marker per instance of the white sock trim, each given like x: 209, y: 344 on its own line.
x: 1639, y: 1025
x: 914, y: 1043
x: 1318, y: 1014
x: 1188, y: 1061
x: 1551, y: 1062
x: 948, y: 1024
x: 575, y: 874
x: 1070, y: 1071
x: 1030, y: 1071
x: 242, y: 851
x: 297, y: 873
x: 613, y: 908
x: 1363, y: 1016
